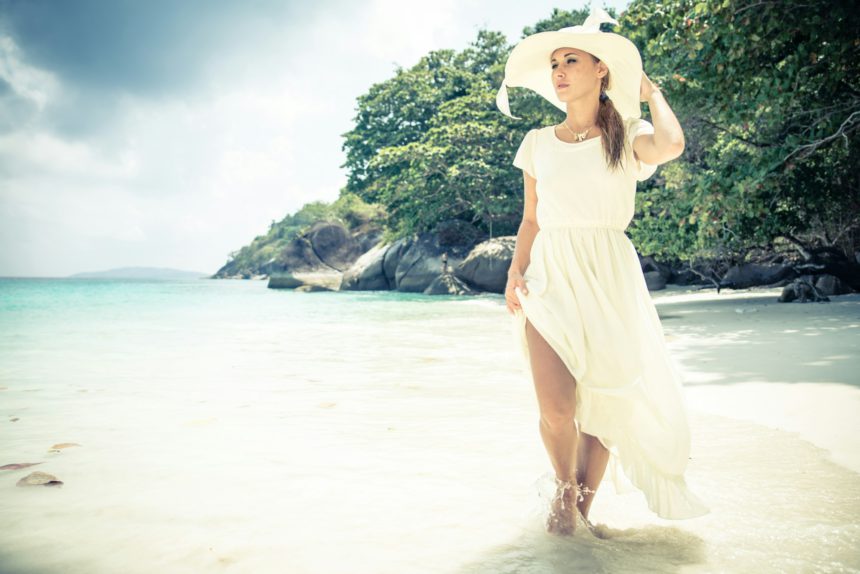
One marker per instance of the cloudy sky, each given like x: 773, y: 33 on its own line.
x: 168, y: 133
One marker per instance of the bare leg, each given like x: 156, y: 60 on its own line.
x: 592, y: 459
x: 556, y: 394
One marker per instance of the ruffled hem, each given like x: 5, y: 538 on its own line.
x: 668, y: 496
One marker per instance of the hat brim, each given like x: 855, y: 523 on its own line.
x: 529, y: 66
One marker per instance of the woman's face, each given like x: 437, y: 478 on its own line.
x: 575, y: 74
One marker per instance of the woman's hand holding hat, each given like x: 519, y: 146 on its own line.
x: 646, y: 88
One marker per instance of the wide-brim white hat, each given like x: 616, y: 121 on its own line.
x: 528, y: 64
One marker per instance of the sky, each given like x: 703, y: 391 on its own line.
x: 171, y: 133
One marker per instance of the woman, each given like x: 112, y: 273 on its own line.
x: 586, y: 324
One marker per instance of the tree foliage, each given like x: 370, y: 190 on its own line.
x: 768, y: 94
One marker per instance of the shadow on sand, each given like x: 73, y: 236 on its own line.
x: 649, y: 548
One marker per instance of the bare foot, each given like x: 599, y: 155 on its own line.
x: 563, y: 512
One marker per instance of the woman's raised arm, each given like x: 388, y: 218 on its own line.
x: 667, y: 141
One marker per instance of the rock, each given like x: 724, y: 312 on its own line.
x: 392, y: 259
x: 831, y: 285
x: 312, y: 288
x: 421, y: 263
x: 751, y: 274
x: 333, y: 244
x: 17, y: 465
x: 650, y: 264
x: 486, y: 266
x: 38, y: 478
x: 367, y: 273
x: 448, y: 284
x: 801, y: 291
x: 330, y: 280
x: 655, y: 280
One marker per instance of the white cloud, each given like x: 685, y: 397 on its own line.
x: 29, y: 83
x: 182, y: 181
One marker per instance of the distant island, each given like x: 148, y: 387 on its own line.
x: 140, y: 273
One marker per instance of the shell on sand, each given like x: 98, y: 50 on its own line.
x: 38, y: 478
x: 17, y: 465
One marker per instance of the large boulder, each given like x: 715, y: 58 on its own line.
x: 326, y: 245
x: 486, y: 266
x: 317, y: 258
x: 649, y: 264
x: 421, y: 262
x: 655, y: 280
x: 367, y: 273
x: 334, y: 245
x: 327, y: 279
x: 752, y: 274
x: 391, y: 260
x: 831, y: 285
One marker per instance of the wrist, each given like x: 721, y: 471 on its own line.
x: 654, y: 91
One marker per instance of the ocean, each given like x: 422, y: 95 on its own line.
x: 221, y: 426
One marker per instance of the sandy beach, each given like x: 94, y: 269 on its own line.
x: 377, y: 432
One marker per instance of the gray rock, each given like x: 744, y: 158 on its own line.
x: 655, y: 280
x: 333, y: 244
x: 650, y: 264
x: 751, y: 274
x: 391, y: 260
x: 421, y: 263
x: 448, y: 284
x: 486, y: 266
x: 326, y: 246
x: 801, y: 291
x: 367, y: 273
x: 831, y: 285
x: 39, y: 478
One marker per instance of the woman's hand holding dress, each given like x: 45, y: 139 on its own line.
x: 515, y: 279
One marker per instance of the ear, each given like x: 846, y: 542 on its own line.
x: 602, y: 70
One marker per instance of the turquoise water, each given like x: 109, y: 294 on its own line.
x: 226, y: 427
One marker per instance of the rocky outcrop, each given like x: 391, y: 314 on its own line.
x: 367, y: 273
x: 326, y: 245
x: 392, y: 260
x: 751, y: 274
x: 655, y: 280
x: 801, y: 290
x: 408, y: 264
x: 421, y: 262
x: 448, y: 284
x: 319, y: 257
x: 486, y: 266
x: 831, y: 285
x: 326, y: 279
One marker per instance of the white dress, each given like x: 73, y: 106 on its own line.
x: 588, y: 299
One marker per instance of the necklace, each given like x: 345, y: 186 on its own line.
x: 578, y: 136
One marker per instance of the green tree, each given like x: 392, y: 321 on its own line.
x: 769, y: 98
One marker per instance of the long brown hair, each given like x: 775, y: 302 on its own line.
x: 611, y: 125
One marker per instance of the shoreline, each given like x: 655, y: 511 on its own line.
x: 786, y: 366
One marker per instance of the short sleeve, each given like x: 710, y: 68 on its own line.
x: 524, y: 157
x: 638, y: 127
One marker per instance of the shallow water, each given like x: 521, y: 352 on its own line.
x: 226, y: 427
